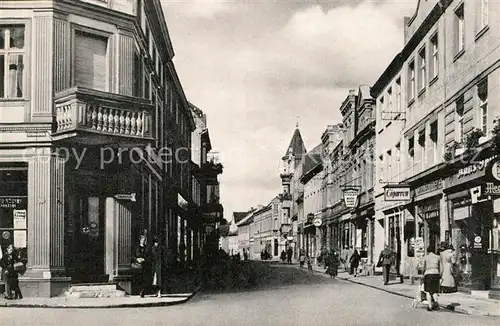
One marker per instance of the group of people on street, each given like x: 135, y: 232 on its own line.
x: 440, y: 272
x: 286, y: 256
x: 147, y: 265
x: 12, y: 264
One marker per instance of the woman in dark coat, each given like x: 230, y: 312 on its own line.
x: 332, y: 263
x: 354, y: 260
x: 11, y: 275
x: 142, y: 257
x: 157, y: 261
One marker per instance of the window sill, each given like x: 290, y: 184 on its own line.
x: 421, y: 92
x: 482, y: 32
x: 459, y: 55
x: 433, y: 80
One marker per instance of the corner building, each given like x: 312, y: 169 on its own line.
x: 88, y: 109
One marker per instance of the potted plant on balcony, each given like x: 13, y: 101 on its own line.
x: 472, y: 140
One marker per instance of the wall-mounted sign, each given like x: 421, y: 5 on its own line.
x: 20, y: 214
x: 492, y: 189
x: 8, y: 202
x: 397, y: 194
x: 495, y: 170
x: 429, y: 187
x: 473, y: 168
x: 317, y: 222
x: 350, y: 197
x: 478, y: 242
x: 130, y: 197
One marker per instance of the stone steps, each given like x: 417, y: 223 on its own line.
x: 102, y: 290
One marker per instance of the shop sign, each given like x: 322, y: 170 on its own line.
x: 130, y: 197
x: 495, y: 170
x: 8, y: 202
x: 429, y: 187
x: 350, y: 197
x: 20, y: 214
x: 478, y: 242
x: 473, y: 168
x: 317, y: 222
x: 492, y: 189
x: 397, y: 194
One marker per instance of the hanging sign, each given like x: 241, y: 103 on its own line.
x: 397, y: 194
x: 317, y: 222
x: 478, y: 242
x: 130, y: 197
x: 495, y: 170
x: 350, y: 197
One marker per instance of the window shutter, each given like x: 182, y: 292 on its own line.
x: 90, y: 61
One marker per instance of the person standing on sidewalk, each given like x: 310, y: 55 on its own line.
x: 354, y: 261
x: 385, y: 261
x: 289, y: 254
x: 141, y: 257
x: 157, y: 261
x: 431, y: 277
x: 302, y: 258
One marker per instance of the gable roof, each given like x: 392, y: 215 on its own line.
x: 238, y: 216
x: 296, y: 147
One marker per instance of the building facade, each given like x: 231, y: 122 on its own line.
x: 91, y: 115
x: 435, y: 117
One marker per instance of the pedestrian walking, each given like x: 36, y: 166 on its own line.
x: 354, y: 262
x: 11, y: 266
x: 448, y: 269
x: 143, y: 275
x: 157, y: 262
x: 309, y: 264
x: 302, y: 258
x: 289, y: 254
x: 385, y: 261
x: 332, y: 263
x: 283, y: 256
x: 432, y: 276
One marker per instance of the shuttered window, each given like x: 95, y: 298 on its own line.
x: 91, y: 61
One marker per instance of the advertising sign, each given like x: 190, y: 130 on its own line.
x: 317, y: 222
x: 130, y: 197
x: 397, y: 194
x: 495, y: 170
x: 350, y: 197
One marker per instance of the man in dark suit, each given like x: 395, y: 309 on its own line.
x: 385, y: 261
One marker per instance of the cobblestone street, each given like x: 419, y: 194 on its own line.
x: 285, y: 296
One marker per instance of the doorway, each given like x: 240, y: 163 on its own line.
x: 87, y: 244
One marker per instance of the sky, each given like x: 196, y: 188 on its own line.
x: 258, y: 67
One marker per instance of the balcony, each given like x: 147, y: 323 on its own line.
x: 211, y: 168
x: 91, y: 117
x: 285, y: 196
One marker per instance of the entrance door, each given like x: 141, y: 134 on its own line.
x: 88, y: 249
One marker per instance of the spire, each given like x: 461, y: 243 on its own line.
x: 296, y: 147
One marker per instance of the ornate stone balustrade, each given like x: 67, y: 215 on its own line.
x: 103, y: 113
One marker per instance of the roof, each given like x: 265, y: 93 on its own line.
x: 247, y: 220
x: 238, y: 216
x: 296, y: 147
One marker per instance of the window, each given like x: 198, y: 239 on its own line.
x: 411, y: 80
x: 483, y: 12
x: 147, y: 86
x: 389, y: 99
x: 398, y: 94
x: 459, y: 119
x: 90, y: 65
x: 434, y: 63
x: 482, y: 91
x: 137, y: 75
x: 411, y: 148
x: 13, y: 207
x: 11, y: 61
x: 389, y: 165
x: 422, y: 78
x: 459, y: 29
x: 434, y: 138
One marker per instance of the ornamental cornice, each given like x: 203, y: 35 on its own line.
x: 31, y: 128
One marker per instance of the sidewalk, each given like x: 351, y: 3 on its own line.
x: 459, y: 302
x: 123, y: 302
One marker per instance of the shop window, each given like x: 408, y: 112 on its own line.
x: 12, y: 61
x: 13, y: 208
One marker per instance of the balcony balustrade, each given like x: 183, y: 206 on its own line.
x: 103, y: 114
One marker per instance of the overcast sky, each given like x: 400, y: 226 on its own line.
x: 255, y: 66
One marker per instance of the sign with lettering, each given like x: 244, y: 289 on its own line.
x: 429, y: 187
x: 397, y: 194
x: 20, y: 214
x: 473, y: 168
x: 130, y: 197
x: 492, y: 189
x: 495, y: 170
x: 350, y: 197
x: 10, y: 202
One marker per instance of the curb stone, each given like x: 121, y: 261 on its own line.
x: 105, y: 306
